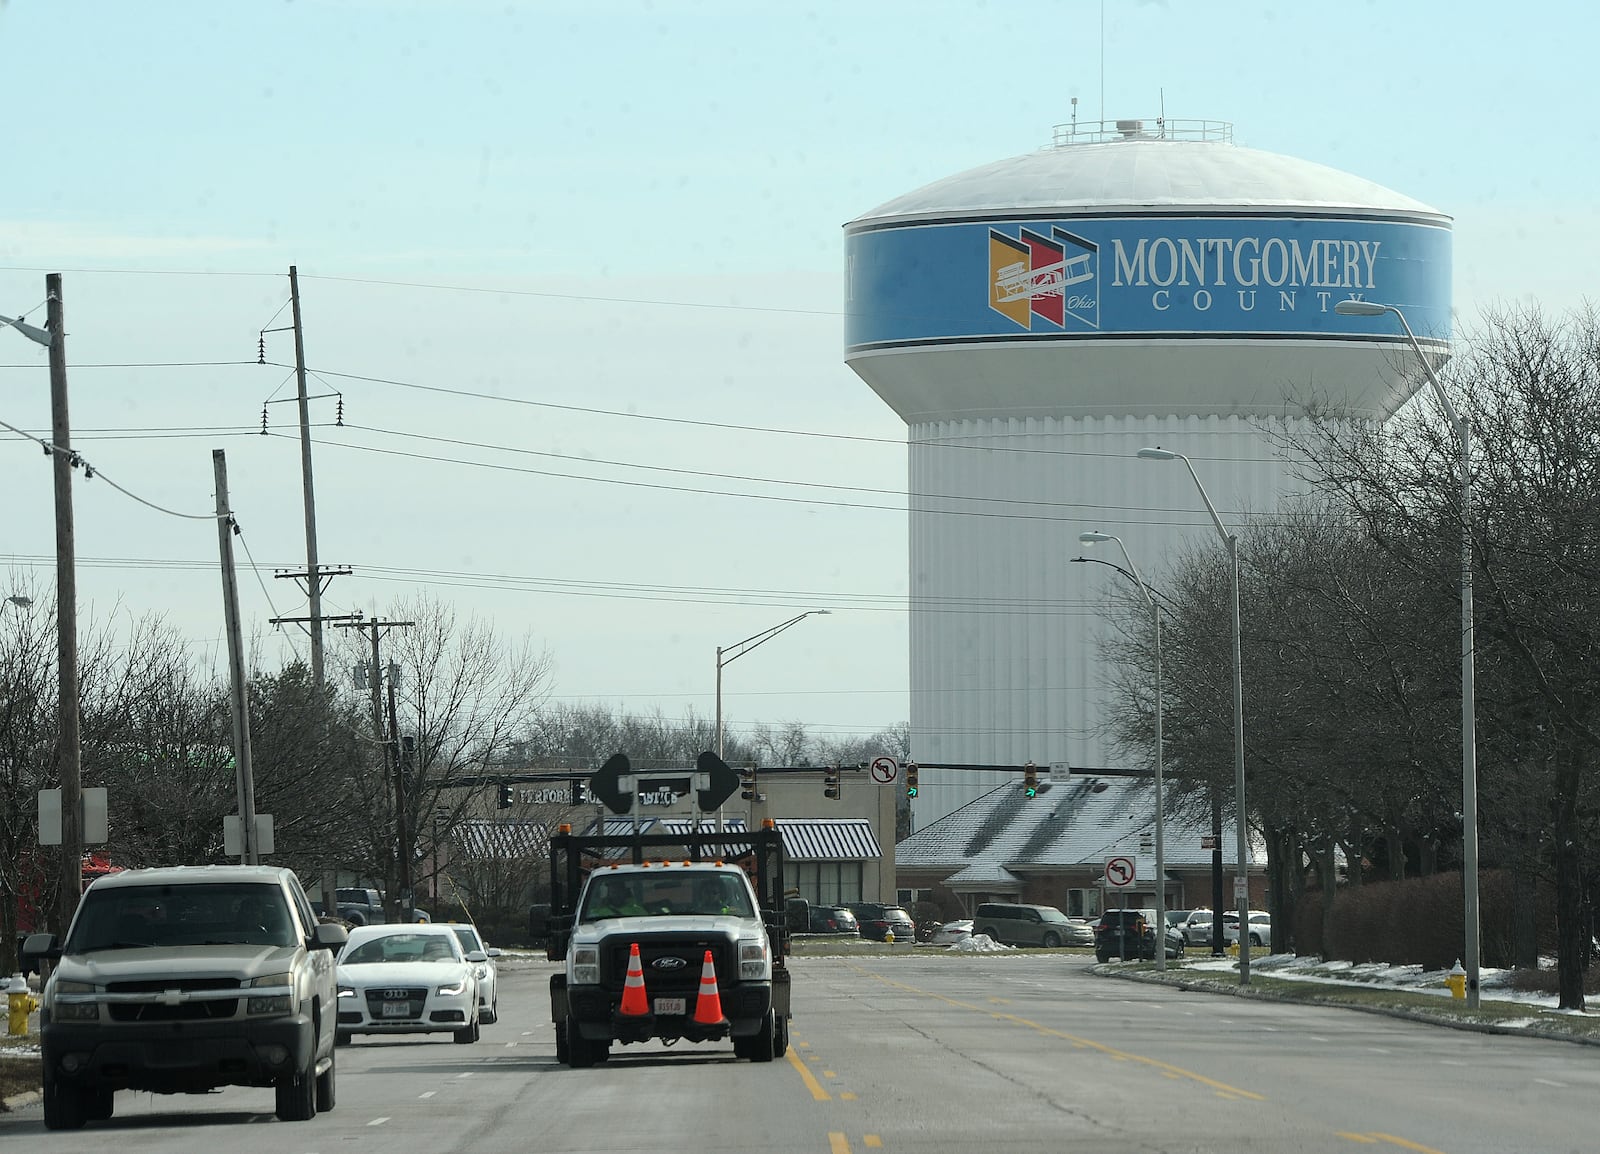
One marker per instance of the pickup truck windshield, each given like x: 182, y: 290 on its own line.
x: 637, y: 895
x: 132, y: 917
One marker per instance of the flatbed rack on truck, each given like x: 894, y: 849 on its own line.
x: 680, y: 899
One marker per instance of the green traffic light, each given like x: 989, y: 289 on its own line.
x: 1032, y: 791
x: 911, y: 791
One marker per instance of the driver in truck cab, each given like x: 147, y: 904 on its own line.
x: 614, y: 898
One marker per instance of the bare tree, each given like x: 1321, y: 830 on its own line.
x: 464, y: 696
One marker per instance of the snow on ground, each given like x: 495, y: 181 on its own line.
x: 1495, y: 984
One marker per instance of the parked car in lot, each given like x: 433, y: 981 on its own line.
x: 1131, y: 934
x: 1030, y: 925
x: 487, y: 975
x: 834, y: 920
x: 951, y: 933
x: 1259, y: 933
x: 1196, y: 927
x: 877, y: 920
x: 408, y: 979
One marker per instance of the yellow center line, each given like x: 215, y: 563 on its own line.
x: 1090, y: 1043
x: 1406, y: 1144
x: 872, y: 1141
x: 809, y: 1079
x: 1356, y: 1137
x: 838, y: 1143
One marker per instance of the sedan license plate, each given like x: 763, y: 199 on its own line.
x: 671, y: 1005
x: 397, y: 1009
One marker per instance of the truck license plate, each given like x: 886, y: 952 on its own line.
x: 671, y: 1005
x: 397, y: 1009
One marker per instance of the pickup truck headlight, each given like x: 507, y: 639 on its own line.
x: 87, y: 1011
x: 586, y: 966
x: 280, y: 1001
x: 753, y: 959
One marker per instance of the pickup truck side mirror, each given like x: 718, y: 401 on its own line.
x: 328, y: 936
x: 42, y: 946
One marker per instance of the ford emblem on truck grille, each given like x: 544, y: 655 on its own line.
x: 668, y: 963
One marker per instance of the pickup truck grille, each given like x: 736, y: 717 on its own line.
x: 671, y: 965
x: 156, y: 1010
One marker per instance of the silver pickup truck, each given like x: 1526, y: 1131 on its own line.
x: 184, y: 980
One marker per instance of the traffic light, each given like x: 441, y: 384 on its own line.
x: 505, y: 797
x: 1030, y: 780
x: 911, y: 779
x: 580, y: 796
x: 747, y: 783
x: 830, y: 782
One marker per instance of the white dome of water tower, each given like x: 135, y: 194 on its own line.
x: 1036, y: 322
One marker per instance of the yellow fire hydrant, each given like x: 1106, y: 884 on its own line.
x: 21, y: 1003
x: 888, y: 936
x: 1456, y: 981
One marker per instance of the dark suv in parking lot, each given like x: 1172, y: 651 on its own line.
x: 878, y: 919
x: 1131, y: 934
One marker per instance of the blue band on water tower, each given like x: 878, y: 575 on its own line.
x: 1264, y: 277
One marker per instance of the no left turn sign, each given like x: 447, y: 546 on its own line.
x: 1120, y: 872
x: 884, y: 770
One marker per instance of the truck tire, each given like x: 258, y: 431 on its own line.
x: 563, y: 1047
x: 326, y: 1090
x: 780, y: 1037
x: 580, y: 1051
x: 99, y: 1104
x: 761, y: 1046
x: 297, y: 1094
x: 65, y: 1105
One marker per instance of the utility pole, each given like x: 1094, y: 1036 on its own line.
x: 239, y: 690
x: 313, y: 575
x: 69, y: 752
x: 401, y: 802
x: 388, y: 741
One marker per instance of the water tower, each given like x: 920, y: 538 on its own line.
x: 1036, y: 321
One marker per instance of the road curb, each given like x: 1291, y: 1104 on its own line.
x: 1153, y: 979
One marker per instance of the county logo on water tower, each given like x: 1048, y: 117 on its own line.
x: 1052, y: 278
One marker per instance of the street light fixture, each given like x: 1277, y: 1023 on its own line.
x: 740, y: 648
x: 1241, y: 834
x: 1161, y: 852
x: 20, y: 601
x: 1469, y: 740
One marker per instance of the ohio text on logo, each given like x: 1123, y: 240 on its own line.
x: 1048, y: 278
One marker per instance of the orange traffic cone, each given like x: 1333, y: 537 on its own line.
x: 634, y: 1002
x: 708, y: 1006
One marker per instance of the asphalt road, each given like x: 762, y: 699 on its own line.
x: 924, y: 1052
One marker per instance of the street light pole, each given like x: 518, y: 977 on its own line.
x: 1469, y: 710
x: 740, y: 648
x: 1161, y: 852
x: 1241, y: 883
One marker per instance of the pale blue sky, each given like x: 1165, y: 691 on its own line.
x: 598, y: 162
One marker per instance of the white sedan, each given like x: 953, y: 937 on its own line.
x: 1260, y: 931
x: 951, y: 933
x: 488, y: 986
x: 408, y: 979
